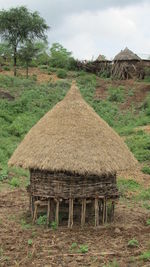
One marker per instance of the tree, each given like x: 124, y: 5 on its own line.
x: 5, y: 52
x: 59, y: 56
x: 42, y: 56
x: 19, y: 25
x: 26, y: 54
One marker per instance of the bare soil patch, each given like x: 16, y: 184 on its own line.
x: 42, y: 76
x: 140, y: 91
x: 53, y: 248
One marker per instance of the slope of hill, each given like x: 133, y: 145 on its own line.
x: 126, y: 108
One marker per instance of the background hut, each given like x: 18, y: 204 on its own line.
x: 126, y: 65
x: 103, y: 66
x: 73, y: 156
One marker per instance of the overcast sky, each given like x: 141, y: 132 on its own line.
x: 92, y: 27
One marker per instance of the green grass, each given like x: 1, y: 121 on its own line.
x: 116, y: 94
x: 31, y: 102
x: 145, y: 256
x: 14, y: 182
x: 133, y: 243
x: 114, y: 263
x: 125, y: 185
x: 146, y: 169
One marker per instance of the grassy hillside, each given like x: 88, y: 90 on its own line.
x: 23, y: 102
x: 126, y: 108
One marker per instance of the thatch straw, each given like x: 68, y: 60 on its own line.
x: 126, y: 55
x: 73, y: 138
x: 101, y: 58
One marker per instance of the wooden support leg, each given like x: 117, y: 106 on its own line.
x: 70, y: 219
x: 106, y: 212
x: 113, y: 210
x: 48, y: 211
x: 96, y: 212
x: 83, y: 212
x: 103, y: 215
x: 35, y: 213
x: 57, y: 213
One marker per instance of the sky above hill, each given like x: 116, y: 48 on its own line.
x: 89, y: 28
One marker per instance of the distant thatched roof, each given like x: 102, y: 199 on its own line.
x: 73, y: 138
x: 101, y: 58
x: 126, y: 55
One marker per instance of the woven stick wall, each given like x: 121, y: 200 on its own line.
x: 61, y: 185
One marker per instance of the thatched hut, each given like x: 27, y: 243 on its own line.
x: 73, y: 156
x: 125, y: 65
x: 127, y: 55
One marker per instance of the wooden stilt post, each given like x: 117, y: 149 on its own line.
x: 70, y: 218
x: 106, y: 211
x: 83, y: 211
x: 113, y: 210
x: 103, y: 215
x: 96, y: 212
x: 35, y: 213
x: 57, y: 212
x: 48, y: 211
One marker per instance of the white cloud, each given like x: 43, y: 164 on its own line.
x: 88, y: 28
x: 106, y: 31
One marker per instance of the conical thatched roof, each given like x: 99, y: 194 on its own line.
x: 126, y: 55
x: 73, y: 138
x: 101, y: 58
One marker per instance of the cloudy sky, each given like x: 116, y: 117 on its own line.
x: 89, y: 28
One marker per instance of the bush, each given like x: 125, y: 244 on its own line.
x: 133, y: 243
x: 61, y: 74
x: 139, y: 144
x: 14, y: 182
x: 116, y: 94
x: 42, y: 220
x: 146, y: 169
x: 43, y: 67
x: 127, y: 185
x: 7, y: 68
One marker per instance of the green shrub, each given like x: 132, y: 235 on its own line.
x: 43, y: 67
x: 14, y: 182
x: 42, y: 220
x: 148, y: 222
x: 83, y: 249
x: 30, y: 242
x: 54, y: 225
x: 74, y: 246
x: 3, y: 174
x: 133, y: 243
x: 7, y: 68
x: 146, y: 169
x: 61, y: 74
x: 112, y: 264
x: 130, y: 92
x: 144, y: 195
x: 139, y: 144
x: 116, y: 94
x: 125, y: 185
x: 50, y: 69
x: 145, y: 256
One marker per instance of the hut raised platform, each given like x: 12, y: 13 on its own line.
x: 73, y: 156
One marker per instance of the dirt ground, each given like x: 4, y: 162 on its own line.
x: 140, y: 91
x: 53, y: 247
x: 41, y: 75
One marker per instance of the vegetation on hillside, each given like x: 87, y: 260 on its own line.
x: 32, y: 101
